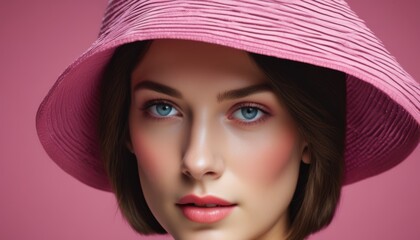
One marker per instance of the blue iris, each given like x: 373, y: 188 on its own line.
x: 249, y: 112
x: 163, y: 109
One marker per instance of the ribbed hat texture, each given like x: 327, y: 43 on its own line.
x: 383, y: 101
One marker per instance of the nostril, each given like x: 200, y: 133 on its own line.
x: 198, y: 174
x: 186, y: 173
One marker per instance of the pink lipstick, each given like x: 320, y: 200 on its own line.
x: 207, y: 209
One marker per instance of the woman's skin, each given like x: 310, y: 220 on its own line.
x: 195, y: 133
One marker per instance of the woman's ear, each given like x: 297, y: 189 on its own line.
x: 306, y: 155
x: 129, y: 146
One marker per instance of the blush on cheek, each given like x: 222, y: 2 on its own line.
x: 147, y: 167
x: 153, y: 158
x: 267, y: 160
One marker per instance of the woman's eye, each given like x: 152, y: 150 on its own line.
x: 248, y: 114
x: 162, y: 110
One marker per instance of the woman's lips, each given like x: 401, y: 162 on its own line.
x: 207, y: 209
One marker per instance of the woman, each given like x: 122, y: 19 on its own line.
x: 302, y: 107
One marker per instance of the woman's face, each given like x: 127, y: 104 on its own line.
x: 218, y: 154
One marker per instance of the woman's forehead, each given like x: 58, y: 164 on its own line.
x: 183, y: 56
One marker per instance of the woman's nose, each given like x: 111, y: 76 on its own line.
x: 201, y: 159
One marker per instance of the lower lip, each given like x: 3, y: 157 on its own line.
x: 205, y: 214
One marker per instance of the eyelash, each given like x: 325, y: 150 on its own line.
x: 263, y: 114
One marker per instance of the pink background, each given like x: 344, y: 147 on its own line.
x: 38, y: 39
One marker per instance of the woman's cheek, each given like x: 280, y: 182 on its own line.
x: 156, y: 152
x: 264, y: 157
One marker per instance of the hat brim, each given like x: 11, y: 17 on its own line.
x: 383, y: 101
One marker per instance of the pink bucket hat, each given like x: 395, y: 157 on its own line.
x: 383, y: 101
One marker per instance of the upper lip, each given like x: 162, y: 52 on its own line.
x: 203, y: 201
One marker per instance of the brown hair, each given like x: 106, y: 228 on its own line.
x: 314, y: 96
x: 316, y: 99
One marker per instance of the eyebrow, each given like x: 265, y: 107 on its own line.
x: 243, y: 92
x: 230, y: 94
x: 158, y: 88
